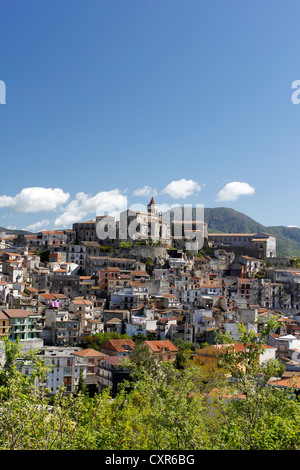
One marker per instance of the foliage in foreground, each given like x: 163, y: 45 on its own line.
x: 161, y: 408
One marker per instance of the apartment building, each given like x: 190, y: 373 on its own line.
x: 24, y: 326
x: 261, y: 245
x: 65, y: 368
x: 165, y: 350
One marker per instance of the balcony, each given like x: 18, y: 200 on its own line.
x: 68, y: 370
x: 91, y: 378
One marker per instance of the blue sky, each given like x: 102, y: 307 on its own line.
x: 106, y: 99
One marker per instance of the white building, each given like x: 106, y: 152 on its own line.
x: 284, y: 344
x: 140, y: 325
x: 65, y: 368
x: 128, y: 298
x: 54, y: 238
x: 77, y: 254
x: 262, y: 244
x: 144, y: 225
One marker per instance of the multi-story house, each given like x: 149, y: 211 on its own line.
x: 165, y: 350
x: 4, y: 324
x: 128, y: 298
x: 111, y: 371
x: 140, y: 325
x: 211, y: 355
x: 118, y: 347
x: 92, y: 359
x: 85, y: 231
x: 248, y: 290
x: 290, y: 279
x: 77, y: 254
x: 284, y: 344
x: 53, y: 238
x: 261, y: 245
x: 247, y: 266
x: 166, y: 328
x: 107, y: 279
x: 63, y: 327
x: 24, y: 326
x: 65, y: 368
x: 94, y: 264
x: 12, y: 266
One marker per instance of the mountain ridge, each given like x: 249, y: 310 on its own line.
x: 11, y: 231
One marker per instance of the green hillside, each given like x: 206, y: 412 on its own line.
x: 224, y: 219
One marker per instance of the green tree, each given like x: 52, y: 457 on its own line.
x: 222, y: 338
x: 164, y: 408
x: 81, y: 386
x: 252, y: 421
x: 96, y: 341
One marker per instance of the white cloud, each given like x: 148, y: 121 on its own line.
x: 35, y: 199
x: 181, y: 189
x: 85, y: 205
x: 146, y: 191
x: 37, y: 226
x: 232, y: 191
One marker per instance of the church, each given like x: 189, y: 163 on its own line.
x: 144, y: 225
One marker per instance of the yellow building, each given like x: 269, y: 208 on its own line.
x: 212, y: 354
x: 4, y: 324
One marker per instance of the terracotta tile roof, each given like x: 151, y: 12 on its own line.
x: 89, y: 352
x: 158, y: 346
x: 292, y: 382
x: 48, y: 296
x: 82, y: 302
x: 88, y: 222
x: 118, y: 344
x: 3, y: 316
x: 17, y: 312
x: 114, y: 320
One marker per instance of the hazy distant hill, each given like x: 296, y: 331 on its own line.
x: 17, y: 232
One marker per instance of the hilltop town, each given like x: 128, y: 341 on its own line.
x: 59, y: 289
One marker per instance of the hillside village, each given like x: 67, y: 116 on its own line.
x: 60, y: 288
